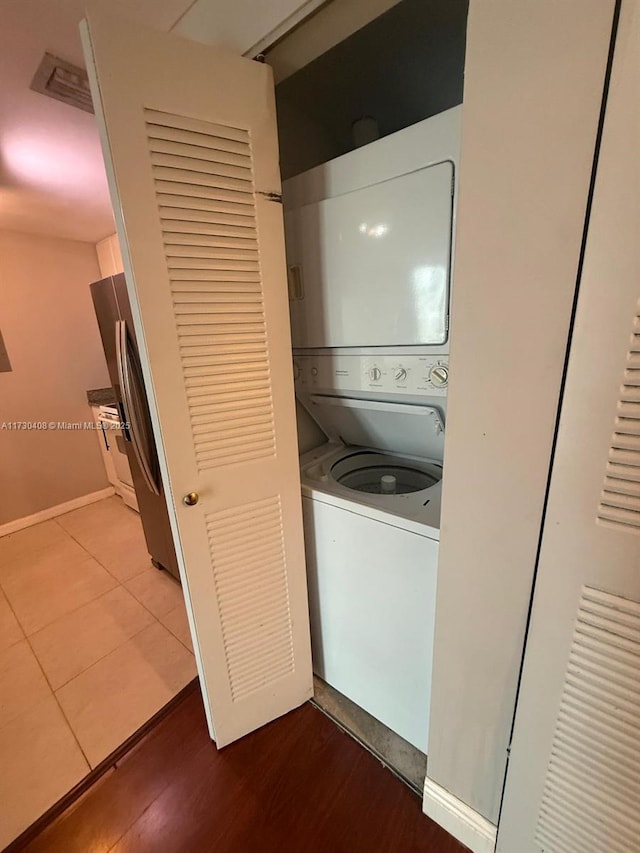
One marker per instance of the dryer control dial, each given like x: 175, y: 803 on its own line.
x: 375, y: 374
x: 401, y: 374
x: 439, y: 375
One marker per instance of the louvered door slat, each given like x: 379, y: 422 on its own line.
x: 235, y: 356
x: 197, y: 152
x: 232, y: 391
x: 177, y: 175
x: 199, y: 290
x: 158, y: 122
x: 225, y: 252
x: 220, y: 356
x: 198, y: 191
x: 225, y: 215
x: 201, y: 167
x: 198, y: 312
x: 196, y: 301
x: 211, y: 262
x: 175, y: 206
x: 197, y: 339
x: 212, y: 414
x: 245, y: 231
x: 200, y: 140
x: 207, y: 345
x: 206, y: 242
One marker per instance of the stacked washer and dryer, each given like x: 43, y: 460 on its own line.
x: 369, y: 250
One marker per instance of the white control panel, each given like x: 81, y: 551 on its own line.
x: 395, y: 374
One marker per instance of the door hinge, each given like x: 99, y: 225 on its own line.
x: 277, y: 197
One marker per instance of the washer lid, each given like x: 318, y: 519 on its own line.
x: 403, y: 428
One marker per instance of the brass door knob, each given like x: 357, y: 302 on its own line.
x: 191, y: 499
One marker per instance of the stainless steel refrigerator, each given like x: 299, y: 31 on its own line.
x: 111, y: 303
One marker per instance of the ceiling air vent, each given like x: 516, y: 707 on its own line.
x: 63, y: 81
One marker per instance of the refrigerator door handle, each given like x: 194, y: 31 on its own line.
x: 135, y: 429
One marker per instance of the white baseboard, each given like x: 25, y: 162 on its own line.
x: 459, y: 819
x: 53, y: 511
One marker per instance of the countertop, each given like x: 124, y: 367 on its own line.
x: 101, y: 397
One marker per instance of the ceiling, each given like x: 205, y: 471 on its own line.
x: 52, y: 179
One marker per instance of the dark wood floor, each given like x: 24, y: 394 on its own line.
x: 298, y: 784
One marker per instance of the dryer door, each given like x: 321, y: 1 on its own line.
x: 371, y: 267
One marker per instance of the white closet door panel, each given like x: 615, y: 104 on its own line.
x: 573, y: 784
x: 189, y: 140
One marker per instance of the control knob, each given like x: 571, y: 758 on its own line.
x: 401, y: 374
x: 375, y: 374
x: 439, y: 375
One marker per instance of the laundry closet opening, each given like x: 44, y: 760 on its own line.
x: 369, y: 136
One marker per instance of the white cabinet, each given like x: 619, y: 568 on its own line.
x: 109, y: 256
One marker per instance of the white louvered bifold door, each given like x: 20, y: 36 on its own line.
x: 189, y: 140
x: 573, y: 781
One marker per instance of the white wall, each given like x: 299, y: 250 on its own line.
x: 533, y: 85
x: 51, y: 334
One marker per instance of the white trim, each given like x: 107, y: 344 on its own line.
x: 284, y: 27
x: 459, y: 819
x: 53, y: 511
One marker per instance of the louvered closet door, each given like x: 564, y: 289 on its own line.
x: 573, y: 782
x: 189, y: 140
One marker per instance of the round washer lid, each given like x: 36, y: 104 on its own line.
x: 382, y: 474
x: 407, y: 429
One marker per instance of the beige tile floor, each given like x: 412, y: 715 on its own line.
x: 93, y: 641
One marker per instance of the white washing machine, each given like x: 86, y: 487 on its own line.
x: 371, y: 503
x: 369, y: 247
